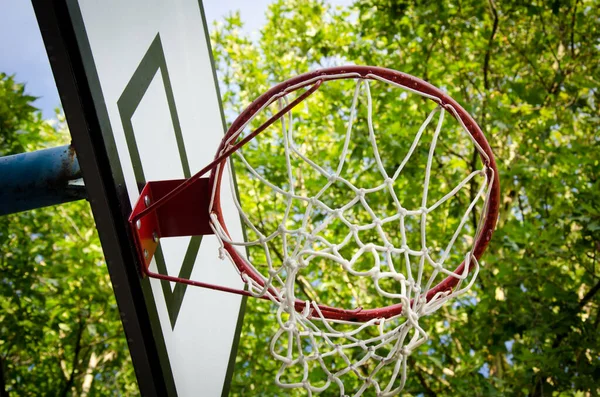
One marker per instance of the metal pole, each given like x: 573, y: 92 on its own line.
x: 39, y: 179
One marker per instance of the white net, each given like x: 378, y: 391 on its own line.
x: 308, y: 233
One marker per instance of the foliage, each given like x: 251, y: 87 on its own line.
x: 528, y: 74
x: 60, y: 330
x: 17, y: 115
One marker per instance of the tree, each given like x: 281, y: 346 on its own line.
x: 527, y: 73
x: 60, y: 330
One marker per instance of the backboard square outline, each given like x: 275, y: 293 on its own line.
x: 152, y: 63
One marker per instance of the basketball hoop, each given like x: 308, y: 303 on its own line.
x: 369, y: 346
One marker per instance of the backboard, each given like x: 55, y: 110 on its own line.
x: 139, y: 90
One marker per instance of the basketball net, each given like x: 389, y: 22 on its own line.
x: 315, y: 350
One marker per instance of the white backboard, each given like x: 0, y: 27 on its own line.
x: 149, y: 71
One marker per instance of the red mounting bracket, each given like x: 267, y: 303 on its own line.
x: 183, y: 214
x: 173, y: 208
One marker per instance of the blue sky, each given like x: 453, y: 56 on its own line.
x: 22, y: 51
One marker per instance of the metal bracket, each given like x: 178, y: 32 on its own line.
x: 184, y: 214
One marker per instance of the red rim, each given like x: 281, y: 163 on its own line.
x: 366, y: 72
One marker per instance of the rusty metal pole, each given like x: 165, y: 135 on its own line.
x: 39, y: 179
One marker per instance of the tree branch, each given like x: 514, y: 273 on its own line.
x: 3, y: 391
x: 587, y: 297
x: 88, y: 379
x: 486, y: 85
x: 573, y: 16
x: 488, y: 53
x: 71, y: 379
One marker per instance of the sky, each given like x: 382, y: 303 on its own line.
x: 22, y: 51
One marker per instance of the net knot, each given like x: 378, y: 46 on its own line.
x: 290, y: 263
x: 288, y: 326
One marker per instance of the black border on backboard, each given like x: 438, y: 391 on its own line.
x: 70, y: 57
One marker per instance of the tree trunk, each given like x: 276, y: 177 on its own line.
x: 89, y: 375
